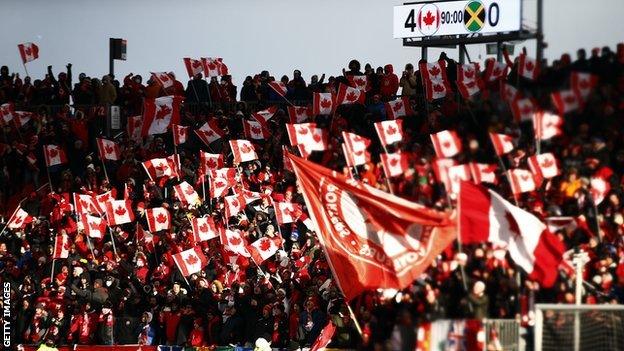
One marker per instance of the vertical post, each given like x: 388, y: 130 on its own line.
x: 540, y: 31
x: 52, y: 272
x: 539, y: 323
x: 423, y: 53
x: 462, y: 56
x: 111, y: 55
x: 578, y: 265
x: 499, y: 51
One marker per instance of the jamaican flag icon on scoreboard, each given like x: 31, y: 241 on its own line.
x: 474, y: 16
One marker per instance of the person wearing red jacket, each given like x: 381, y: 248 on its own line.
x: 389, y: 83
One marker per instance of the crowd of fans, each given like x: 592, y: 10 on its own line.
x: 133, y: 292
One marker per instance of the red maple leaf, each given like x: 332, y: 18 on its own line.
x: 84, y: 204
x: 234, y: 203
x: 470, y: 84
x: 391, y: 130
x: 67, y: 245
x: 352, y: 96
x: 219, y: 184
x: 488, y: 169
x: 163, y: 111
x: 108, y: 149
x: 17, y: 220
x: 162, y: 168
x: 161, y: 218
x: 138, y: 123
x: 27, y: 51
x: 358, y: 153
x: 94, y: 226
x: 438, y: 88
x: 359, y: 82
x: 393, y: 162
x: 196, y: 64
x: 191, y: 259
x: 496, y: 72
x: 53, y: 152
x: 181, y: 133
x: 570, y: 99
x: 211, y: 163
x: 189, y: 190
x: 584, y: 84
x: 105, y: 197
x: 446, y: 144
x: 513, y: 225
x: 300, y: 110
x: 429, y: 18
x: 524, y: 177
x: 507, y: 138
x: 212, y: 66
x: 245, y: 149
x: 397, y: 106
x: 317, y: 138
x: 209, y: 133
x: 434, y: 71
x: 120, y: 211
x: 547, y: 163
x: 256, y: 130
x: 235, y: 241
x: 326, y: 103
x: 302, y: 130
x: 529, y: 65
x: 526, y: 109
x: 469, y: 73
x: 203, y: 228
x: 265, y: 244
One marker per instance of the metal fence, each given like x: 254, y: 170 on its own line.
x: 502, y: 332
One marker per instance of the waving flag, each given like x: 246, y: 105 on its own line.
x: 435, y: 80
x: 583, y: 83
x: 371, y: 239
x: 186, y: 194
x: 394, y: 164
x: 233, y: 241
x: 108, y: 149
x: 359, y: 82
x: 287, y: 212
x: 484, y: 216
x: 543, y: 166
x: 209, y: 132
x: 565, y: 101
x: 502, y: 143
x: 180, y: 134
x: 400, y: 107
x: 349, y: 95
x: 521, y: 180
x: 221, y: 180
x: 61, y: 246
x: 158, y: 218
x: 190, y: 261
x: 54, y: 155
x: 102, y: 199
x: 483, y: 173
x: 389, y: 132
x: 324, y: 338
x: 85, y: 204
x: 528, y: 67
x: 214, y: 67
x: 160, y: 113
x: 299, y: 114
x: 204, y: 228
x: 119, y: 212
x: 21, y: 118
x: 234, y: 204
x: 19, y: 219
x: 279, y: 87
x: 163, y: 78
x: 94, y: 227
x: 255, y: 130
x: 263, y: 248
x: 322, y: 104
x: 208, y: 162
x: 243, y: 151
x: 157, y: 168
x: 467, y: 80
x: 193, y: 67
x: 546, y: 125
x: 265, y: 115
x: 134, y: 127
x: 494, y: 70
x: 523, y: 109
x: 440, y: 170
x: 28, y: 52
x: 6, y: 112
x: 446, y: 143
x: 457, y: 174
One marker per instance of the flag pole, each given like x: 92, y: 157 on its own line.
x: 25, y: 69
x: 113, y: 242
x: 52, y: 271
x: 105, y: 172
x: 90, y: 245
x: 385, y: 170
x: 10, y: 218
x: 49, y: 179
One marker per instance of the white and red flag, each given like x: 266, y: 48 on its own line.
x: 324, y: 338
x: 494, y: 70
x: 544, y: 166
x: 583, y: 83
x: 468, y: 80
x: 21, y: 118
x: 193, y: 67
x: 322, y: 104
x: 255, y: 130
x: 119, y: 212
x: 163, y: 78
x: 94, y: 227
x: 108, y: 149
x: 243, y: 151
x: 352, y: 158
x: 186, y: 194
x: 208, y: 162
x: 457, y: 174
x: 279, y: 87
x: 204, y: 228
x: 508, y: 92
x: 355, y: 142
x: 308, y: 136
x: 502, y: 143
x: 523, y: 109
x: 209, y: 132
x: 54, y: 155
x: 158, y: 218
x: 520, y: 180
x: 354, y: 221
x: 435, y: 80
x: 233, y: 241
x: 394, y: 164
x: 484, y: 216
x: 287, y: 212
x: 180, y: 134
x: 6, y: 112
x: 134, y: 127
x: 214, y: 67
x: 190, y: 261
x: 19, y: 219
x: 234, y: 204
x: 299, y: 114
x: 599, y: 188
x: 157, y: 168
x: 61, y: 246
x: 263, y: 248
x: 565, y: 101
x: 263, y: 116
x: 528, y: 67
x: 446, y: 143
x: 359, y: 82
x: 483, y: 173
x: 160, y: 113
x: 390, y: 132
x: 440, y: 170
x: 547, y: 125
x: 86, y: 204
x: 221, y: 180
x: 28, y: 51
x: 400, y: 107
x: 102, y: 199
x: 349, y: 95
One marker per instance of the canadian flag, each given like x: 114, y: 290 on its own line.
x: 359, y: 82
x: 263, y: 248
x: 322, y: 104
x: 400, y: 107
x: 163, y: 78
x: 484, y: 216
x: 435, y: 80
x: 435, y: 89
x: 243, y: 151
x: 440, y: 170
x: 544, y: 166
x: 456, y: 174
x: 508, y: 92
x: 316, y: 140
x: 483, y: 173
x: 61, y: 246
x: 528, y: 67
x: 299, y: 114
x: 233, y: 241
x: 180, y: 134
x: 186, y: 194
x: 265, y: 115
x: 565, y: 101
x: 390, y: 132
x: 19, y: 219
x: 134, y: 127
x: 355, y: 142
x: 94, y: 227
x: 521, y: 180
x: 599, y: 188
x: 102, y: 199
x: 159, y: 114
x: 255, y: 130
x: 583, y: 83
x: 502, y: 143
x: 190, y: 261
x: 446, y: 143
x: 209, y: 132
x: 54, y: 155
x: 355, y: 158
x: 208, y: 162
x: 204, y: 228
x: 28, y: 52
x: 302, y: 133
x: 109, y: 150
x: 546, y: 125
x: 394, y: 164
x: 6, y: 112
x: 193, y: 67
x: 221, y: 180
x: 279, y: 87
x: 119, y: 212
x: 324, y: 338
x: 467, y: 80
x: 287, y: 212
x: 161, y: 167
x: 349, y: 95
x: 85, y: 204
x: 523, y: 109
x: 158, y: 218
x: 234, y: 204
x: 494, y: 70
x: 214, y: 67
x: 21, y: 118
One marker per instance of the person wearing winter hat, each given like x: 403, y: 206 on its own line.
x: 148, y: 332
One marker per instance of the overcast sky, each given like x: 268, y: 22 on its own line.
x: 315, y: 36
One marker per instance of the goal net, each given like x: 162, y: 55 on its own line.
x: 579, y: 327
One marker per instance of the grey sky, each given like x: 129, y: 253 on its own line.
x: 315, y: 36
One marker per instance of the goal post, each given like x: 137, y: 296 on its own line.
x: 579, y: 327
